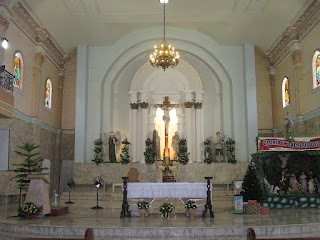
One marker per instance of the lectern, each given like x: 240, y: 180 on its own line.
x: 38, y: 192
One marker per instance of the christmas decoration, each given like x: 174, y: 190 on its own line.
x: 208, y: 157
x: 30, y: 165
x: 230, y: 151
x: 125, y: 156
x: 149, y: 154
x: 98, y: 151
x: 183, y: 156
x: 251, y: 187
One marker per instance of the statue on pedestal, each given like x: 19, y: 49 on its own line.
x: 156, y: 144
x: 111, y: 144
x: 175, y: 145
x: 219, y: 142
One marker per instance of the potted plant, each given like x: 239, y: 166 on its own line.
x: 143, y: 207
x: 30, y: 210
x: 191, y: 208
x: 165, y: 209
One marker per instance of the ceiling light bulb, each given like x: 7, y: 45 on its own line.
x: 164, y: 1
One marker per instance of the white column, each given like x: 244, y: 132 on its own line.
x: 144, y: 122
x: 188, y: 123
x: 181, y: 120
x: 133, y: 124
x: 199, y: 125
x: 81, y: 104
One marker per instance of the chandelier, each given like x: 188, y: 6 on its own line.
x: 164, y: 55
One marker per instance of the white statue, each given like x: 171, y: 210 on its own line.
x: 111, y: 145
x: 219, y: 142
x: 303, y: 181
x: 311, y: 186
x: 174, y: 169
x: 160, y: 167
x: 175, y: 146
x: 270, y: 189
x: 156, y: 144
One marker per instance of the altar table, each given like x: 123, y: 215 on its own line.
x: 168, y: 190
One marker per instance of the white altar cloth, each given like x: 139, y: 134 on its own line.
x: 167, y: 190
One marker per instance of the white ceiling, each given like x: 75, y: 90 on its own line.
x: 102, y: 22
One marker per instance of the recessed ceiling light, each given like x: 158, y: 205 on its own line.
x: 164, y: 1
x: 73, y: 1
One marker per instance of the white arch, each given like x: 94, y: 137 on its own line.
x: 198, y: 44
x: 184, y: 74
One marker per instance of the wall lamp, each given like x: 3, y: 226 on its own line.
x: 4, y: 43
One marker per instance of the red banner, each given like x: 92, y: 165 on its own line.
x: 281, y: 144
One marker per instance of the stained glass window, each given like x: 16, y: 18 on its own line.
x: 18, y: 70
x: 285, y: 92
x: 48, y: 96
x: 316, y: 69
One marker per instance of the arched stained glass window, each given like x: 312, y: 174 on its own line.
x: 316, y: 69
x: 48, y: 96
x: 285, y: 92
x: 18, y: 70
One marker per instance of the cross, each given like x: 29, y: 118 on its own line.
x: 166, y: 106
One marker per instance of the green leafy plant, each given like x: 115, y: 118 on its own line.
x: 29, y: 209
x: 183, y: 152
x: 125, y: 156
x: 98, y: 154
x: 143, y: 204
x: 208, y: 157
x: 190, y: 204
x: 149, y: 154
x: 231, y: 151
x: 30, y: 165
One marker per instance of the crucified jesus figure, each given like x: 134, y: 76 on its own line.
x: 166, y: 106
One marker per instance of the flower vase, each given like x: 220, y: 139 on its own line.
x: 191, y: 212
x: 165, y: 215
x: 143, y: 212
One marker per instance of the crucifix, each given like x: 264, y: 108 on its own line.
x: 166, y: 106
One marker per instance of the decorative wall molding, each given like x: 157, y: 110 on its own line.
x: 38, y: 35
x: 297, y: 119
x: 37, y: 121
x: 294, y: 34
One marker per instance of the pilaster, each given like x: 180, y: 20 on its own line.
x: 298, y: 78
x: 198, y: 125
x: 273, y: 95
x: 133, y: 122
x: 38, y: 62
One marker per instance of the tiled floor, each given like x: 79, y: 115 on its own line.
x: 300, y: 222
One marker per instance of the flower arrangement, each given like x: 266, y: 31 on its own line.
x: 166, y: 208
x: 98, y: 154
x: 30, y: 209
x: 143, y: 204
x: 208, y: 157
x: 190, y: 204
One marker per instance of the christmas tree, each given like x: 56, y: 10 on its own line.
x: 251, y: 188
x: 30, y: 165
x: 125, y: 156
x: 149, y: 154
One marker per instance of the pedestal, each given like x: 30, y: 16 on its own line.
x: 38, y: 192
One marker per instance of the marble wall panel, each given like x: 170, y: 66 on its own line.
x: 222, y: 173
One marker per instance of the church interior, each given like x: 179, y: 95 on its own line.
x: 123, y: 116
